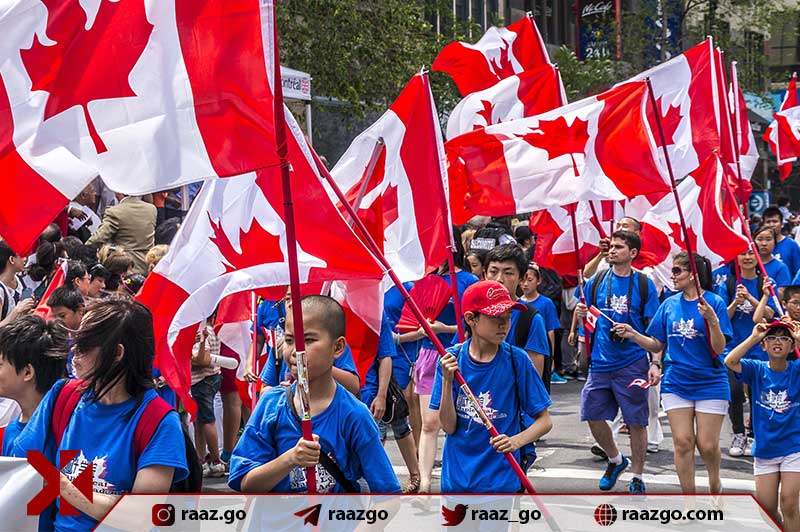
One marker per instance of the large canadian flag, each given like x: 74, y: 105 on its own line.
x: 234, y: 239
x: 686, y: 93
x: 710, y: 211
x: 789, y: 130
x: 569, y: 154
x: 779, y: 131
x: 500, y: 53
x: 148, y: 94
x: 527, y: 94
x: 408, y: 179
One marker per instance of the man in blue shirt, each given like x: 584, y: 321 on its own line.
x: 618, y: 367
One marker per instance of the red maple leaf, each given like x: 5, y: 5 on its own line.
x: 676, y: 233
x: 486, y: 114
x: 390, y: 210
x: 87, y: 64
x: 503, y: 68
x: 558, y: 138
x: 670, y: 121
x: 258, y: 246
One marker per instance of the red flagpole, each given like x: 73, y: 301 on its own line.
x: 685, y: 230
x: 294, y: 273
x: 439, y: 178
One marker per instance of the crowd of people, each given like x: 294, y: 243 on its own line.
x: 76, y: 368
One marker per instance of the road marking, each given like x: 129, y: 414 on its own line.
x: 566, y: 473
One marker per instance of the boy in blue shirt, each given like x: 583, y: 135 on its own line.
x: 271, y: 455
x: 775, y: 386
x: 486, y: 362
x: 529, y: 285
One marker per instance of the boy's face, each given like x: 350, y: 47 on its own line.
x: 529, y: 283
x: 778, y: 343
x: 492, y: 329
x: 793, y: 307
x: 321, y: 347
x: 505, y: 273
x: 70, y: 318
x: 12, y: 384
x: 773, y: 221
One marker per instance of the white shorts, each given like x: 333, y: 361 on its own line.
x: 672, y: 401
x: 781, y: 464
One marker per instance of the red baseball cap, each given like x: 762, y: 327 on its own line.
x: 488, y: 297
x: 777, y: 324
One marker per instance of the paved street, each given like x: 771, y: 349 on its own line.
x: 565, y: 464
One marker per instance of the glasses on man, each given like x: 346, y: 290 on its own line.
x: 781, y: 339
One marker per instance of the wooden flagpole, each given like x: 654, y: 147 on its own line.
x: 254, y: 343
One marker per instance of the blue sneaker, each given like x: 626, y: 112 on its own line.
x: 613, y: 471
x: 636, y: 487
x: 555, y: 378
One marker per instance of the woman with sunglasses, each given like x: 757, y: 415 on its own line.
x: 692, y: 330
x: 113, y: 358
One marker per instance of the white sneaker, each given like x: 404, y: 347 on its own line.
x: 748, y: 450
x: 205, y: 469
x: 738, y: 445
x: 216, y: 470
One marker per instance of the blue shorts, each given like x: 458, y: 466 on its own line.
x: 203, y: 394
x: 607, y: 392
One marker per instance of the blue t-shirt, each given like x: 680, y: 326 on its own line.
x: 346, y: 431
x: 547, y: 309
x: 742, y: 321
x: 688, y: 369
x: 165, y: 392
x: 104, y: 435
x: 608, y: 355
x: 720, y: 276
x: 385, y: 349
x: 778, y: 272
x: 406, y: 353
x: 776, y: 412
x: 271, y: 377
x: 537, y: 341
x: 270, y: 315
x: 469, y: 463
x: 10, y: 434
x: 448, y: 315
x: 788, y: 251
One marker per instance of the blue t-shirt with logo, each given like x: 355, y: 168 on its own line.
x: 742, y: 321
x: 271, y: 376
x: 688, y: 368
x: 547, y: 309
x: 788, y: 251
x: 776, y: 407
x: 385, y: 349
x: 104, y: 436
x: 469, y: 463
x: 778, y: 272
x: 720, y: 276
x: 347, y: 434
x: 608, y: 355
x: 448, y: 316
x: 537, y: 341
x: 270, y: 315
x: 405, y: 353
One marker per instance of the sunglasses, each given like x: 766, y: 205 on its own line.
x: 678, y: 270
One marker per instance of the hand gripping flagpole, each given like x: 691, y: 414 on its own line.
x: 685, y: 230
x: 387, y: 268
x: 448, y: 230
x: 581, y: 281
x: 294, y: 271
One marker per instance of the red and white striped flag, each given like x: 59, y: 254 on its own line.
x: 778, y: 134
x: 592, y: 316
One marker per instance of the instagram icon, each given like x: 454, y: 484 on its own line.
x: 163, y: 515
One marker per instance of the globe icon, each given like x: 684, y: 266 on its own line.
x: 605, y: 514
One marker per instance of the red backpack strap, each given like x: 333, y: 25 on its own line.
x: 65, y: 405
x: 154, y: 412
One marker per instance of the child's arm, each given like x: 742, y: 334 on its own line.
x: 508, y: 444
x: 734, y: 357
x: 347, y: 379
x: 571, y: 340
x: 551, y: 337
x: 265, y: 477
x: 378, y: 406
x: 447, y: 408
x: 763, y: 311
x: 203, y: 356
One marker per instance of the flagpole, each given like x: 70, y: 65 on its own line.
x: 368, y: 171
x: 381, y: 259
x: 254, y: 319
x: 576, y: 245
x: 737, y: 134
x: 447, y: 228
x: 684, y: 228
x: 291, y: 252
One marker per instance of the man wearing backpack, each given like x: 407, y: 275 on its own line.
x: 618, y: 368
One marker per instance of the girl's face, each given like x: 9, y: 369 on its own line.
x: 491, y: 329
x: 96, y: 287
x: 84, y: 362
x: 529, y: 284
x: 475, y: 266
x: 82, y: 284
x: 765, y: 243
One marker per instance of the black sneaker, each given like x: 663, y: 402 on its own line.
x: 636, y: 487
x: 598, y: 451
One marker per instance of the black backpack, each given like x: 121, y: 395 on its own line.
x: 487, y: 238
x: 550, y: 284
x: 524, y: 326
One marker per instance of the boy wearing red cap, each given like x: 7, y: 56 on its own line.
x: 486, y: 362
x: 775, y: 386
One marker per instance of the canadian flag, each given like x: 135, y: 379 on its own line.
x: 59, y: 276
x: 592, y: 315
x: 743, y: 134
x: 686, y: 95
x: 708, y: 208
x: 407, y: 179
x: 233, y: 240
x: 776, y: 132
x: 500, y: 53
x: 789, y: 130
x: 130, y: 91
x: 569, y: 154
x: 529, y: 93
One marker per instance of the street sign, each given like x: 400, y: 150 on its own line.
x: 759, y: 200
